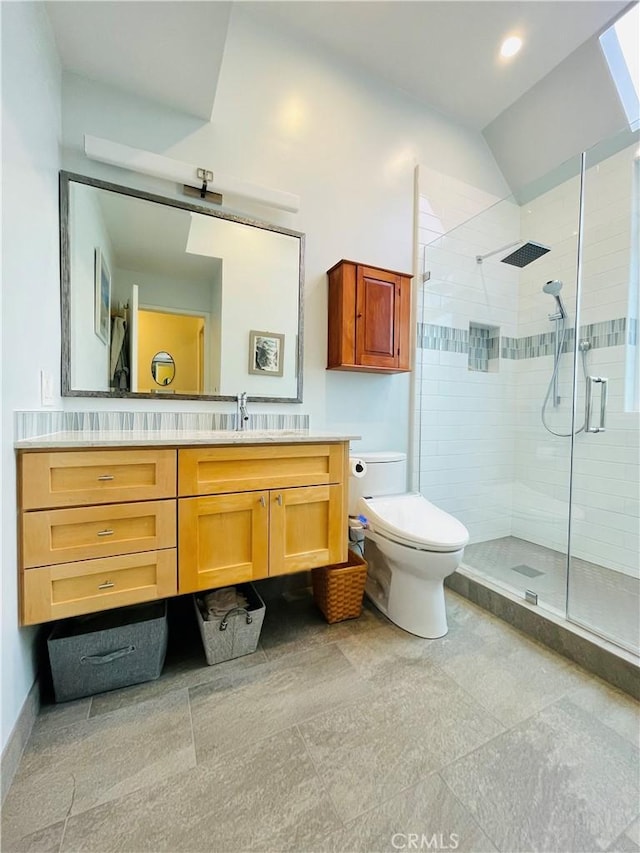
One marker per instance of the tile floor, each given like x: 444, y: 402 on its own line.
x: 600, y: 599
x: 351, y: 737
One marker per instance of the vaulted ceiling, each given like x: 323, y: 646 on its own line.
x: 443, y: 53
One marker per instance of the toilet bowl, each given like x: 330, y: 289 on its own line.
x: 411, y: 546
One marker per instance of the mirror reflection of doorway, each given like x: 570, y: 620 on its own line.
x: 183, y: 335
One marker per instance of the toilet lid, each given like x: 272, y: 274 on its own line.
x: 413, y: 520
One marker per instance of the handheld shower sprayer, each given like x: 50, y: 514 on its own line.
x: 553, y: 288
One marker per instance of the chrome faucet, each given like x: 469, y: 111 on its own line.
x: 242, y: 415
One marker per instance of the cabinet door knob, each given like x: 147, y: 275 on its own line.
x: 358, y: 316
x: 262, y: 501
x: 279, y: 499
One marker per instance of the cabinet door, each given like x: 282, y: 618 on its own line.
x: 222, y: 539
x: 378, y: 299
x: 308, y: 528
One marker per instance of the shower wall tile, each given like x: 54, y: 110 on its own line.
x: 481, y: 347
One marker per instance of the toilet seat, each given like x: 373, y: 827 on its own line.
x: 411, y: 520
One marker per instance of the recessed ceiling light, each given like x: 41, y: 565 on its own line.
x: 510, y: 46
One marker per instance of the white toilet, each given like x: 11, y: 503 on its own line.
x: 411, y: 546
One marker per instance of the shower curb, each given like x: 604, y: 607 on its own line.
x: 606, y: 664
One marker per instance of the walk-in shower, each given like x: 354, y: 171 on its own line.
x: 510, y: 429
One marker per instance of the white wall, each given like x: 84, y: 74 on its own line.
x: 89, y: 353
x: 287, y: 115
x: 30, y: 286
x: 260, y: 286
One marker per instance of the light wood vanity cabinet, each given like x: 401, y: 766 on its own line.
x: 261, y: 511
x: 106, y: 528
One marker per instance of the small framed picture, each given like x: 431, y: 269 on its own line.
x: 102, y: 286
x: 266, y: 353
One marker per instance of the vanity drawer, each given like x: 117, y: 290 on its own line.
x: 63, y: 535
x: 70, y: 589
x: 216, y: 470
x: 78, y: 478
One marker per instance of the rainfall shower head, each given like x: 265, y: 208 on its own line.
x: 525, y: 254
x: 553, y: 288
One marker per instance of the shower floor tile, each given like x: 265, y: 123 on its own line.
x: 600, y: 599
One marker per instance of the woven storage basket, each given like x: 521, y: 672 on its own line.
x: 338, y: 589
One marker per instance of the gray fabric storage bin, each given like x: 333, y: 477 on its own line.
x: 104, y: 651
x: 235, y: 634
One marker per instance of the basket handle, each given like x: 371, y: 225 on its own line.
x: 109, y: 657
x: 224, y: 623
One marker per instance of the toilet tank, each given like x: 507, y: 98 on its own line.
x: 385, y: 474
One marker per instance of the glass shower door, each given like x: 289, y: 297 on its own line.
x: 603, y: 590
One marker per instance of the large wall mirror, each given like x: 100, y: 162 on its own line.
x: 143, y: 275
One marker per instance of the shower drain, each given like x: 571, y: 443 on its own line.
x: 529, y: 571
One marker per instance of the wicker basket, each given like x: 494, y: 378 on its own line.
x: 338, y: 589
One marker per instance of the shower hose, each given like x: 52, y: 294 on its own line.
x: 543, y: 413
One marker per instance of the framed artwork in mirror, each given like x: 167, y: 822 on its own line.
x: 102, y: 287
x: 266, y: 353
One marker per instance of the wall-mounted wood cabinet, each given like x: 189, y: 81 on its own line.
x: 369, y: 319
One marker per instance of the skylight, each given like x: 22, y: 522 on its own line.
x: 620, y: 45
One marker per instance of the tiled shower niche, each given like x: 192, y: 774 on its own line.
x: 484, y: 348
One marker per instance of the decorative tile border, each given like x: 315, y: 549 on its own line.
x: 38, y: 423
x: 445, y: 338
x: 608, y: 333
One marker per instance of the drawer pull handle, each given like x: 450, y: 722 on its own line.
x: 107, y: 532
x: 106, y: 585
x: 110, y: 656
x: 104, y: 477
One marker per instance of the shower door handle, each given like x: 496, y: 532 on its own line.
x: 588, y: 403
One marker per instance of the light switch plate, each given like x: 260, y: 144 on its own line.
x: 46, y: 388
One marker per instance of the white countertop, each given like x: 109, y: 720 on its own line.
x: 177, y: 438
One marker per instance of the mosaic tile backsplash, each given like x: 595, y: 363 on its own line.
x: 480, y: 346
x: 38, y: 423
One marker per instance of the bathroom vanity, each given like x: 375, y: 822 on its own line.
x: 107, y: 522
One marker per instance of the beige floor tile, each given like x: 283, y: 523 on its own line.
x: 369, y: 750
x: 71, y: 769
x: 424, y: 817
x: 264, y: 797
x: 561, y: 781
x: 272, y: 697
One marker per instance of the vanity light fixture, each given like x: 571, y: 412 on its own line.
x: 197, y: 181
x: 510, y: 46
